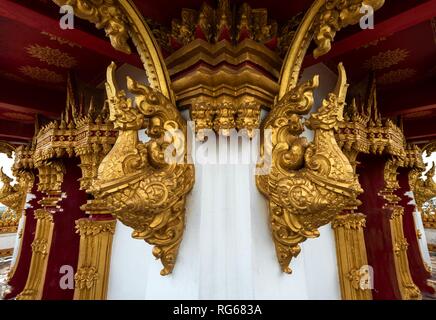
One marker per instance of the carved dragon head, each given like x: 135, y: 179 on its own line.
x: 309, y: 183
x: 5, y: 178
x: 136, y: 180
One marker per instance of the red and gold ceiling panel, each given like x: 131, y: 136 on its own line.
x: 36, y: 56
x: 42, y: 58
x: 399, y: 59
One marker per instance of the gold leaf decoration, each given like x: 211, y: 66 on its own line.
x: 396, y: 76
x: 41, y: 74
x: 60, y: 40
x: 373, y: 43
x: 386, y: 59
x: 52, y: 56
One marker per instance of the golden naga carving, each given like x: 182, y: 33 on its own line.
x: 424, y: 191
x: 309, y: 183
x: 14, y: 198
x: 306, y: 179
x: 6, y: 148
x: 139, y: 185
x: 144, y: 191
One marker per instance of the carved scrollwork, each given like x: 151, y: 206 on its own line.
x: 105, y: 15
x: 141, y: 186
x: 423, y: 191
x: 121, y: 20
x: 6, y: 148
x: 320, y: 23
x: 335, y: 15
x: 309, y: 183
x: 14, y: 198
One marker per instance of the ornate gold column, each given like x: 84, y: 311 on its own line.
x: 94, y: 258
x: 51, y: 177
x: 22, y: 188
x: 349, y: 226
x: 94, y: 139
x: 351, y: 254
x: 40, y: 251
x: 405, y: 283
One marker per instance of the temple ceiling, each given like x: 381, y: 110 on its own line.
x: 36, y: 57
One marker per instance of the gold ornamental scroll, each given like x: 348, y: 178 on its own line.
x: 307, y: 178
x: 121, y: 20
x: 320, y: 24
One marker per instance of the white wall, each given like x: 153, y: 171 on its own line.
x: 20, y: 229
x: 7, y: 240
x: 227, y: 250
x: 430, y: 235
x: 419, y: 225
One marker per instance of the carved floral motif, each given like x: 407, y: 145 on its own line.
x: 42, y: 74
x: 51, y: 56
